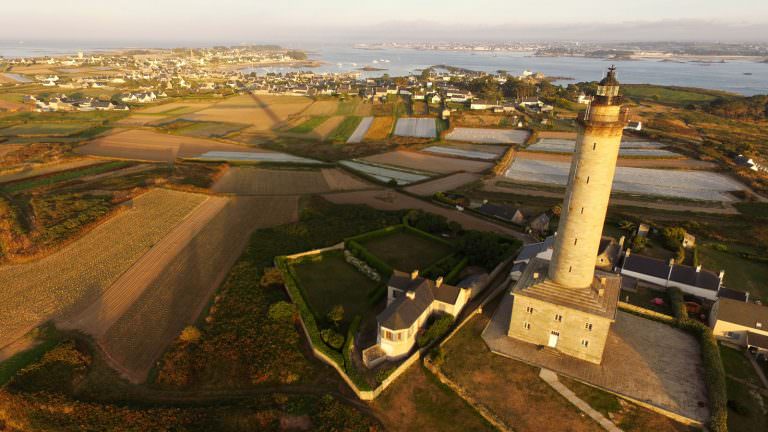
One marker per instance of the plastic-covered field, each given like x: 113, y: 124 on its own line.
x: 488, y: 136
x: 695, y: 185
x: 471, y: 154
x: 628, y: 148
x: 386, y: 173
x: 416, y: 127
x: 255, y: 157
x: 362, y: 129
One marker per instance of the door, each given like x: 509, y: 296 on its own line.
x: 553, y: 336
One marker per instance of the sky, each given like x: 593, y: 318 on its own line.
x: 365, y: 20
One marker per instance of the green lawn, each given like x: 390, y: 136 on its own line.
x: 328, y: 280
x: 740, y: 274
x: 670, y: 95
x: 737, y: 365
x: 345, y: 129
x: 309, y: 125
x: 751, y: 417
x: 406, y: 251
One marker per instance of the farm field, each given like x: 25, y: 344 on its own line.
x: 488, y: 136
x: 673, y: 163
x: 699, y: 185
x: 308, y: 124
x: 100, y: 316
x: 45, y: 129
x: 78, y: 274
x: 182, y: 107
x: 406, y: 251
x: 153, y: 146
x: 443, y: 184
x: 360, y: 131
x: 180, y: 292
x: 137, y: 120
x: 627, y: 149
x: 261, y: 112
x: 470, y: 154
x: 386, y: 173
x: 324, y: 129
x: 260, y: 156
x: 421, y: 161
x: 380, y: 129
x: 257, y: 181
x: 350, y: 288
x: 416, y: 127
x: 43, y: 169
x: 345, y: 129
x: 201, y: 129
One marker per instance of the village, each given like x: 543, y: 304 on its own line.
x: 185, y: 223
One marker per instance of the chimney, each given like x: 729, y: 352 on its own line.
x: 601, y: 290
x: 439, y: 282
x: 746, y: 297
x: 671, y: 262
x: 411, y: 294
x: 622, y: 239
x: 721, y: 275
x: 698, y: 268
x: 628, y: 252
x: 414, y: 274
x: 535, y: 275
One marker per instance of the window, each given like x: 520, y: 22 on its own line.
x: 588, y: 326
x: 585, y: 343
x: 526, y: 325
x: 529, y: 309
x: 594, y: 146
x: 558, y: 318
x: 576, y: 240
x: 570, y: 268
x: 587, y: 179
x: 388, y: 335
x: 582, y: 210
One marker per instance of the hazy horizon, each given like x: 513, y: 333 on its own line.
x: 235, y: 21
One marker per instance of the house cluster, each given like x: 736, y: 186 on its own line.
x: 733, y: 316
x: 535, y: 224
x: 750, y: 163
x: 64, y: 103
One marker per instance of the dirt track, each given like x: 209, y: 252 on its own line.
x: 429, y: 163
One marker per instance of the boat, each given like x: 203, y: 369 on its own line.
x: 747, y: 73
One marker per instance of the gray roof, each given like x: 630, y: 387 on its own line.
x: 757, y: 340
x: 732, y: 294
x: 531, y: 250
x: 647, y: 266
x: 404, y: 311
x: 743, y: 313
x: 683, y: 274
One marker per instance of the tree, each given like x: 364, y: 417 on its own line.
x: 336, y: 315
x: 190, y: 334
x: 483, y: 249
x: 282, y: 311
x: 271, y: 278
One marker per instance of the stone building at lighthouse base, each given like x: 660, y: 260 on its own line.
x: 575, y: 322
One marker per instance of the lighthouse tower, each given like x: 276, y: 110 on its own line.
x: 564, y: 303
x: 589, y: 187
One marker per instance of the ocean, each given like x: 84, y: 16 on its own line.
x: 737, y: 76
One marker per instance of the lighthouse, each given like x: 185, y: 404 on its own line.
x: 589, y: 187
x: 565, y: 304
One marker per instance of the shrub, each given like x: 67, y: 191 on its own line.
x: 190, y: 334
x: 336, y: 315
x: 282, y: 311
x: 435, y: 331
x: 382, y: 374
x: 720, y: 247
x: 271, y: 278
x: 673, y: 237
x: 639, y: 243
x: 332, y: 338
x: 485, y: 249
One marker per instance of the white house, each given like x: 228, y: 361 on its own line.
x: 741, y: 323
x: 411, y: 300
x: 691, y: 280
